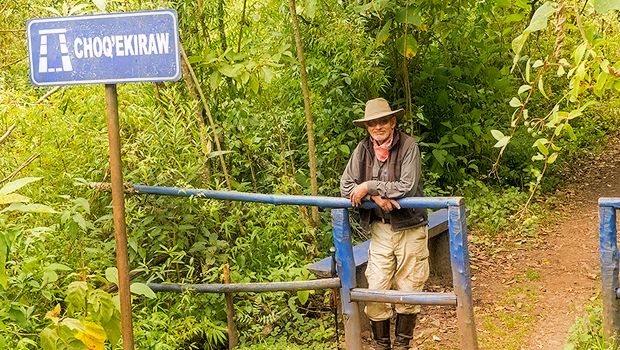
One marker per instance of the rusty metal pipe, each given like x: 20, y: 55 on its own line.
x: 118, y: 208
x: 325, y: 283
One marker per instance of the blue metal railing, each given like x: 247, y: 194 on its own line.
x: 610, y: 261
x: 345, y: 265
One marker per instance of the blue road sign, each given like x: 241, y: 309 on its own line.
x: 104, y: 49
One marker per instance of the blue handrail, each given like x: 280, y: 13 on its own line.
x: 282, y: 199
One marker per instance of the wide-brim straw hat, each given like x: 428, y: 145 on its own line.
x: 377, y: 108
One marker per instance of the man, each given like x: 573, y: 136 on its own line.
x: 386, y: 166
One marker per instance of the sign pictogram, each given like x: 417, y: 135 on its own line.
x: 104, y: 49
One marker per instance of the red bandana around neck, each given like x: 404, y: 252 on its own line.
x: 382, y: 151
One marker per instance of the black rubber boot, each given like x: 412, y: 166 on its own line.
x: 405, y: 323
x: 380, y: 335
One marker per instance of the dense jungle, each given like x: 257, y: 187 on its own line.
x: 508, y: 100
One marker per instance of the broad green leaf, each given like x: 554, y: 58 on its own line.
x: 517, y: 45
x: 48, y: 339
x: 310, y: 9
x: 83, y: 202
x: 76, y: 294
x: 13, y: 198
x: 303, y: 296
x: 228, y: 70
x: 540, y: 17
x: 254, y: 84
x: 604, y: 6
x: 384, y: 33
x: 537, y: 63
x: 460, y: 140
x: 111, y: 274
x: 440, y: 155
x: 73, y: 324
x: 515, y: 102
x: 245, y: 77
x: 57, y: 267
x: 526, y: 114
x: 29, y: 208
x: 100, y: 4
x: 79, y: 219
x: 538, y: 156
x: 49, y: 277
x: 605, y: 66
x: 407, y: 46
x: 214, y: 80
x: 540, y: 144
x: 528, y: 71
x: 574, y: 114
x: 502, y: 142
x: 524, y: 88
x: 541, y: 88
x: 409, y: 16
x: 498, y: 135
x: 17, y: 184
x: 112, y: 328
x: 345, y: 149
x: 267, y: 74
x: 142, y: 289
x: 599, y: 88
x: 561, y: 71
x: 552, y: 158
x: 578, y: 53
x: 92, y: 335
x: 515, y: 17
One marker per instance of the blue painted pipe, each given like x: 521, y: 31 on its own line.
x: 461, y: 276
x: 345, y: 264
x: 610, y: 267
x: 280, y: 199
x: 400, y: 297
x: 326, y: 283
x: 609, y: 202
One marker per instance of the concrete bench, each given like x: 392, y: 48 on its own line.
x: 439, y: 258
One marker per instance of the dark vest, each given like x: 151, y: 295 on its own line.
x: 401, y: 219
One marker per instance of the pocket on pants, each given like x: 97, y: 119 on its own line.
x: 419, y: 273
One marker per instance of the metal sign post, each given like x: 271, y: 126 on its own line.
x: 118, y: 208
x: 108, y: 49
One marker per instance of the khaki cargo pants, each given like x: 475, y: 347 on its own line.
x: 396, y: 260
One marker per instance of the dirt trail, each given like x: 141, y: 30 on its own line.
x: 536, y: 289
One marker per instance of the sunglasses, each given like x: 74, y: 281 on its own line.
x: 378, y: 122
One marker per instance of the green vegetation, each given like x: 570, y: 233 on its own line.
x: 587, y: 333
x: 447, y: 64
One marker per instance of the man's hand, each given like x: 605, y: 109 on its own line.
x: 359, y: 192
x: 386, y: 204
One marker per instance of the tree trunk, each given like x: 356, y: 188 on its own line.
x: 202, y: 130
x: 211, y: 122
x: 221, y: 23
x: 307, y: 110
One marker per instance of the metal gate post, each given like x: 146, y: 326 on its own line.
x: 609, y: 270
x: 461, y: 275
x: 346, y: 271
